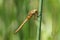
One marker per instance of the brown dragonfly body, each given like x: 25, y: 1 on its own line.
x: 30, y: 14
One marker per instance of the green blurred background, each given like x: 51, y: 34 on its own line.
x: 13, y: 13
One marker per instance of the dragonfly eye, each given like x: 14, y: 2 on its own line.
x: 33, y: 12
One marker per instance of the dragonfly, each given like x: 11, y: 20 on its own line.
x: 30, y: 14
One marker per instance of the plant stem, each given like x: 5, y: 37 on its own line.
x: 40, y: 19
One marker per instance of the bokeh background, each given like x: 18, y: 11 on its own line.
x: 13, y: 13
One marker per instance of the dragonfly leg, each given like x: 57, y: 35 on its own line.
x: 39, y: 15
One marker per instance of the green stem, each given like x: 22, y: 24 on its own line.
x: 40, y: 19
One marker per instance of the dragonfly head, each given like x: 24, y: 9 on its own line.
x: 33, y: 12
